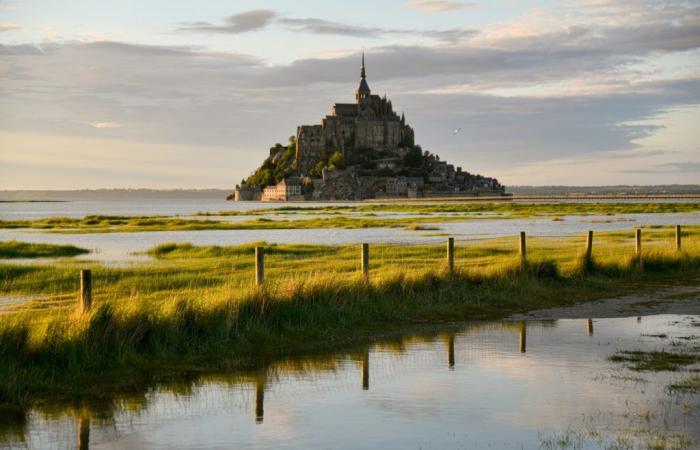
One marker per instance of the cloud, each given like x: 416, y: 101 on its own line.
x: 101, y: 125
x: 320, y: 26
x: 673, y: 167
x: 504, y: 92
x: 253, y: 20
x: 434, y: 6
x: 258, y: 19
x: 20, y: 49
x: 8, y: 27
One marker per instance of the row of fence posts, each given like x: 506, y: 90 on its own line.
x: 85, y: 298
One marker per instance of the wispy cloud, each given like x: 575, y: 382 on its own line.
x: 253, y: 20
x: 105, y: 125
x: 674, y: 167
x: 434, y: 6
x: 8, y: 27
x: 258, y: 19
x: 320, y: 26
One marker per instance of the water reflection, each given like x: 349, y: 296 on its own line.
x: 451, y: 351
x: 365, y: 370
x: 84, y: 434
x: 314, y: 401
x: 260, y: 383
x: 589, y: 327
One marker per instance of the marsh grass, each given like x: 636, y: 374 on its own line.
x: 346, y: 216
x: 520, y: 209
x: 16, y: 249
x: 655, y: 360
x: 689, y: 384
x: 127, y: 224
x: 198, y: 307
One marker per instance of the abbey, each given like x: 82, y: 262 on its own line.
x: 369, y: 123
x: 360, y: 150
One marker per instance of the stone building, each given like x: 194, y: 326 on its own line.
x: 369, y: 123
x: 288, y: 189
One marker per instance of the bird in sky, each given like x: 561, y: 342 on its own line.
x: 456, y: 131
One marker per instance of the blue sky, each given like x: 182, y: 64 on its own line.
x: 192, y: 94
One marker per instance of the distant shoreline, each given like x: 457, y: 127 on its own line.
x: 34, y: 201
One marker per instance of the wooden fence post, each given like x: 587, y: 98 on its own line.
x: 589, y: 245
x: 523, y: 249
x: 638, y: 242
x: 451, y: 255
x: 85, y: 290
x: 678, y: 237
x: 259, y: 265
x: 364, y: 254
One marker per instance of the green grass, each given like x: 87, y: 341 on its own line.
x: 512, y: 209
x: 690, y: 384
x: 196, y: 307
x: 350, y: 217
x: 110, y: 224
x: 16, y: 249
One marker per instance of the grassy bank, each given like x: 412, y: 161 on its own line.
x: 512, y: 209
x: 15, y: 249
x: 196, y: 307
x: 126, y: 224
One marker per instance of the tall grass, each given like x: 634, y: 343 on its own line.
x: 198, y: 307
x: 16, y: 249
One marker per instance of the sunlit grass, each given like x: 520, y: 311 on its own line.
x: 16, y: 249
x: 192, y: 304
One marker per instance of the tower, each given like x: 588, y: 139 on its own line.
x: 362, y: 94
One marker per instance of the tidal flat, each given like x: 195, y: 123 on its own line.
x: 387, y: 215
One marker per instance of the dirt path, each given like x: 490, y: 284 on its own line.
x: 673, y: 300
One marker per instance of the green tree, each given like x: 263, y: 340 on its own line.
x: 317, y: 171
x: 413, y: 158
x: 337, y: 160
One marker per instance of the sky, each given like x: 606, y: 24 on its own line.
x: 181, y: 94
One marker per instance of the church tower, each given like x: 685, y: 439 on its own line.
x: 362, y: 94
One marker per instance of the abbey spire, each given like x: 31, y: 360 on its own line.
x: 362, y: 94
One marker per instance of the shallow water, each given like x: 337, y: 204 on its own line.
x: 143, y: 206
x: 488, y: 385
x: 119, y: 248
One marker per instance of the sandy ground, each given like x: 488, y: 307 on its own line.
x: 673, y: 300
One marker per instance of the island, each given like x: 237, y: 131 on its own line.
x: 361, y: 150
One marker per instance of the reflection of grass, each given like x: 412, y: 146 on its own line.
x: 190, y: 305
x: 656, y: 361
x: 16, y: 249
x: 690, y: 384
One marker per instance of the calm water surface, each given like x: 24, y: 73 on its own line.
x: 120, y: 248
x: 489, y: 385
